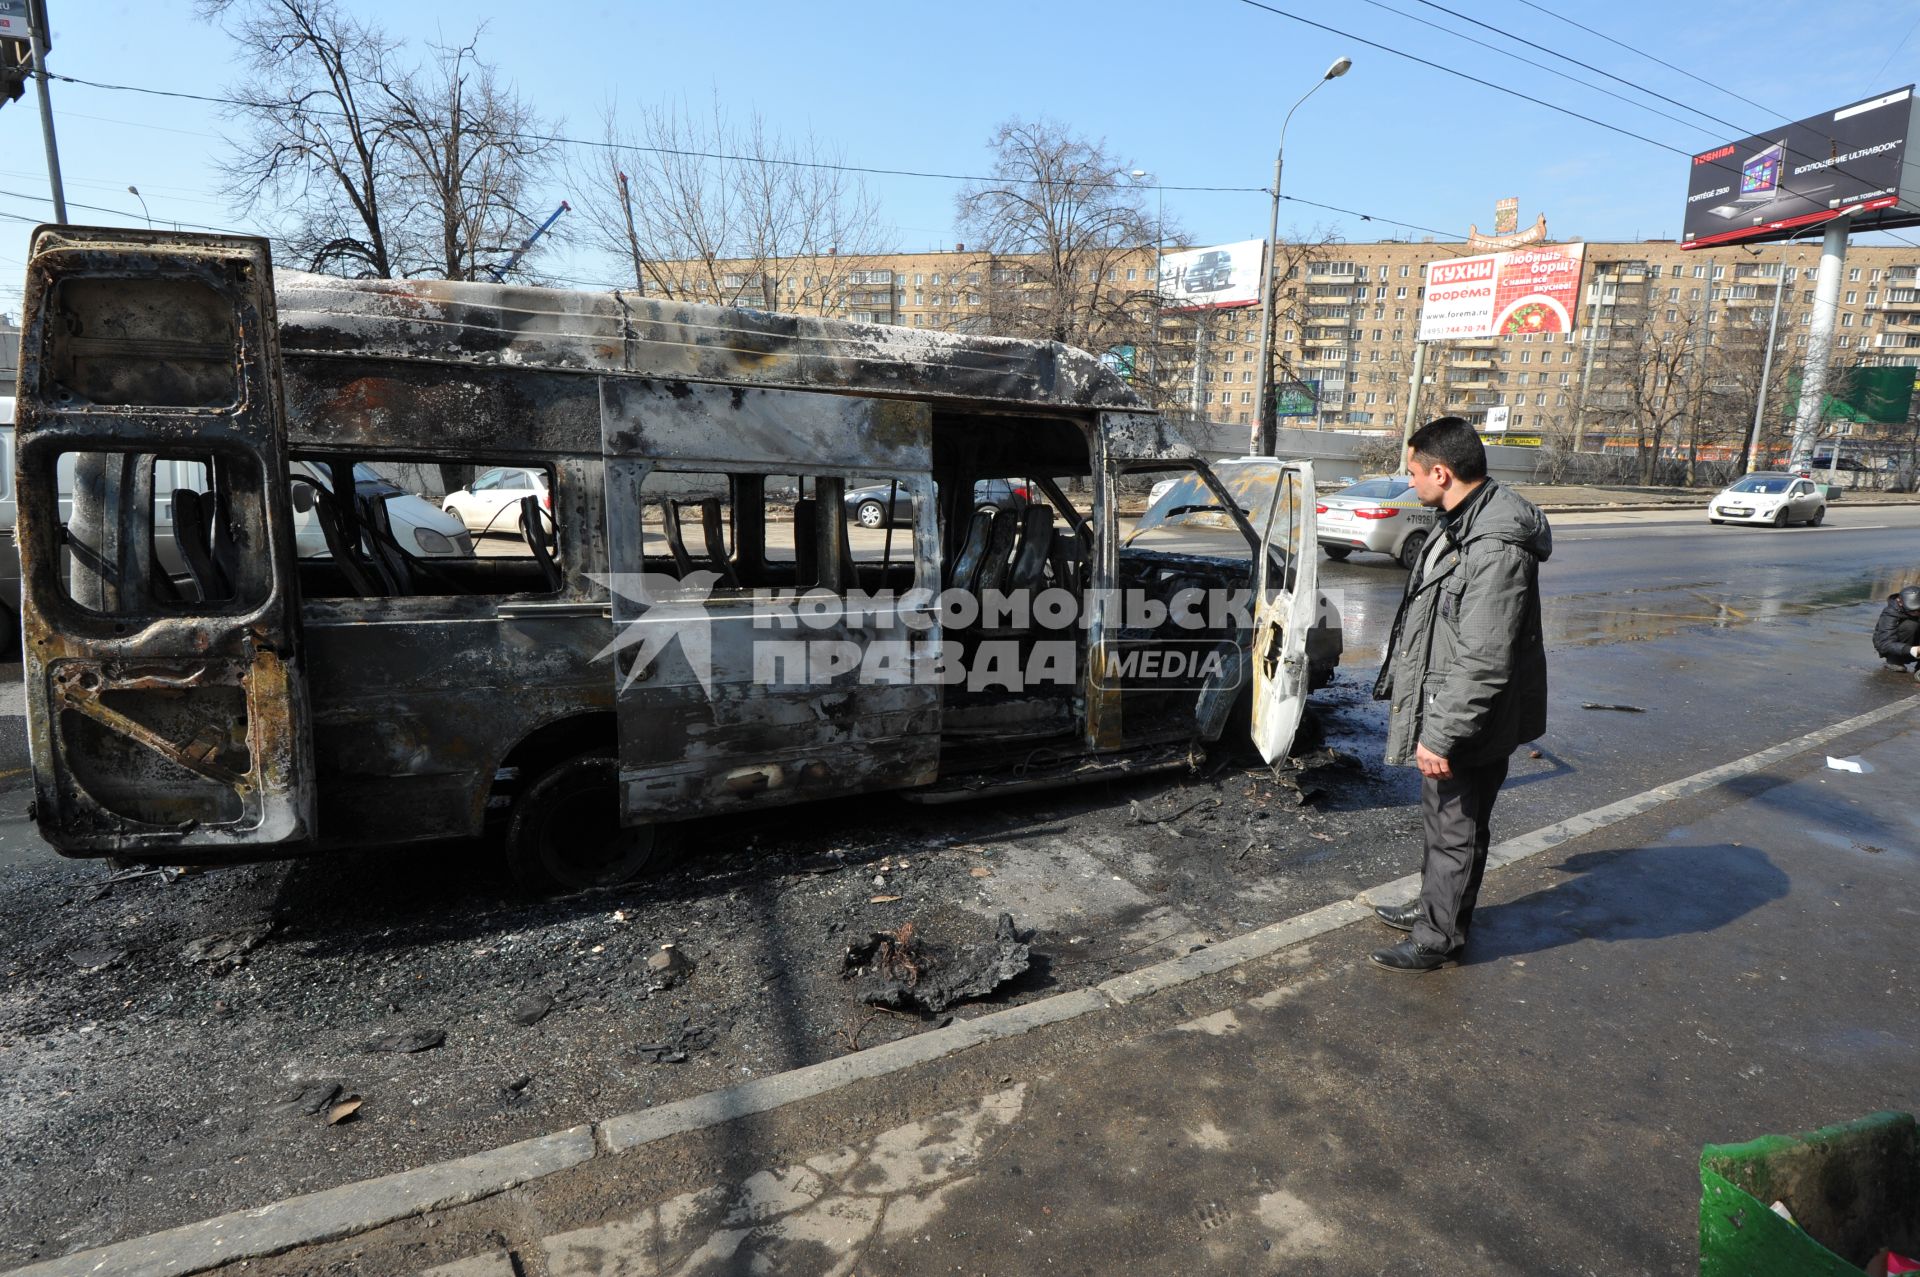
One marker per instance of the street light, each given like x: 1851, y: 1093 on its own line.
x: 1773, y: 328
x: 135, y: 192
x: 1264, y: 423
x: 1159, y: 230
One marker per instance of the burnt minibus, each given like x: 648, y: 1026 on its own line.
x: 679, y: 613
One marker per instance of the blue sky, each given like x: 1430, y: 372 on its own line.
x: 1193, y: 92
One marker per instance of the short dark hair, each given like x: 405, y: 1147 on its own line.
x: 1451, y: 442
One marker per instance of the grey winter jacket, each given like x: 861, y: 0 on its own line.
x: 1466, y: 666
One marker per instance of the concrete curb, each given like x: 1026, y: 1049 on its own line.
x: 334, y: 1213
x: 327, y: 1215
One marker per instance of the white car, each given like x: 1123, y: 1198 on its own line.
x: 1381, y: 514
x: 417, y: 527
x: 491, y: 503
x: 1774, y: 500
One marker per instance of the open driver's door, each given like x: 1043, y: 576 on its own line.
x: 1286, y: 595
x: 167, y: 714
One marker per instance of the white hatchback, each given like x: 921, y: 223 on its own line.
x: 1772, y: 500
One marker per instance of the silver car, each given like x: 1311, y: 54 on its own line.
x: 1379, y: 514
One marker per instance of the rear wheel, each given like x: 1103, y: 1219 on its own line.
x: 1411, y: 548
x: 1819, y: 516
x: 870, y: 514
x: 565, y: 832
x: 1337, y: 552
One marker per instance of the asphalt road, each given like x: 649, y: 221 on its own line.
x: 151, y: 1081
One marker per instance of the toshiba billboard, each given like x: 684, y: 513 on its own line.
x: 1766, y: 187
x: 1531, y: 290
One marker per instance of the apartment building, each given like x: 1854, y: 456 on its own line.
x: 9, y: 354
x: 1347, y: 319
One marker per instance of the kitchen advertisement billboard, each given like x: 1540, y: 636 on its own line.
x: 1766, y: 187
x: 1530, y: 290
x: 1209, y: 278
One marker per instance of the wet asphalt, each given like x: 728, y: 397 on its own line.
x: 1730, y: 965
x: 152, y: 1090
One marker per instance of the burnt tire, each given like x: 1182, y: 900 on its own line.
x: 565, y: 833
x: 870, y: 514
x: 1411, y: 548
x: 1337, y: 552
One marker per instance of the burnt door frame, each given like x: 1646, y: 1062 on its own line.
x: 206, y: 701
x: 691, y: 745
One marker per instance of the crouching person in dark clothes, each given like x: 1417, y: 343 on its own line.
x: 1466, y: 673
x: 1896, y: 635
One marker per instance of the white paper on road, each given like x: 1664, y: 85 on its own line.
x: 1855, y: 765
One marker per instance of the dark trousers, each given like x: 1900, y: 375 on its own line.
x: 1457, y: 816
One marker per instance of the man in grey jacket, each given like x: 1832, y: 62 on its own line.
x: 1466, y: 674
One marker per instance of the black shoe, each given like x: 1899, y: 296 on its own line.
x: 1410, y: 955
x: 1399, y: 917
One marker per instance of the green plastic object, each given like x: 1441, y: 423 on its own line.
x: 1853, y: 1189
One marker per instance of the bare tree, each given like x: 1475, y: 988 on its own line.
x: 365, y: 164
x: 1650, y: 384
x: 472, y: 152
x: 704, y: 208
x: 1053, y: 227
x: 319, y: 156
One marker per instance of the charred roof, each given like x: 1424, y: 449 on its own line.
x: 563, y: 330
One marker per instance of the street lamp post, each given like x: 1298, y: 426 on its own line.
x: 135, y: 192
x: 1264, y: 419
x: 1159, y: 247
x: 1773, y: 328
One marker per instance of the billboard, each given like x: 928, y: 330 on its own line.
x: 1297, y: 398
x: 1880, y: 396
x: 1530, y: 290
x: 1765, y: 187
x: 1207, y: 278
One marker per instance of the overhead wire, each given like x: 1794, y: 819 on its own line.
x: 1473, y: 79
x: 1434, y: 4
x: 1525, y: 97
x: 1651, y: 58
x: 876, y: 170
x: 1508, y: 53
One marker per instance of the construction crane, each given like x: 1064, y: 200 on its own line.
x: 500, y: 272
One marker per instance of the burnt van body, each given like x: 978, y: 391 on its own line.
x: 678, y: 619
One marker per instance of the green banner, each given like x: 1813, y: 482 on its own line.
x: 1880, y: 396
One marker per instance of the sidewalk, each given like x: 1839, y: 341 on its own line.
x: 1727, y: 964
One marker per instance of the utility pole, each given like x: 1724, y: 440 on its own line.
x: 1413, y: 395
x: 633, y: 239
x: 1586, y: 370
x: 1196, y: 400
x: 39, y: 36
x: 1264, y: 422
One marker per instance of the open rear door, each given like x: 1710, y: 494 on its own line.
x: 166, y: 709
x: 1286, y: 595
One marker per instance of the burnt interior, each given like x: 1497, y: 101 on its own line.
x: 362, y: 529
